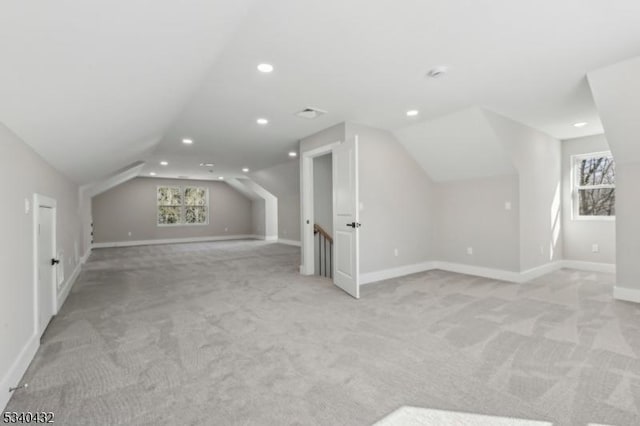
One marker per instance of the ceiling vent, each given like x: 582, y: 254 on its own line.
x: 310, y: 113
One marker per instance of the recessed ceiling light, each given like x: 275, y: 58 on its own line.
x: 580, y: 124
x: 412, y: 113
x: 262, y: 121
x: 164, y: 163
x: 266, y: 68
x: 187, y: 141
x: 152, y: 173
x: 220, y: 177
x: 293, y: 154
x: 245, y: 170
x: 206, y: 164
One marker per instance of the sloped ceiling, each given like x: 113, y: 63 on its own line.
x: 616, y: 90
x: 95, y: 85
x: 457, y: 146
x: 241, y: 186
x: 92, y: 85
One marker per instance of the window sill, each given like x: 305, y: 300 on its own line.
x: 594, y: 218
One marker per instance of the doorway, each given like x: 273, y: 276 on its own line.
x: 344, y: 225
x: 45, y: 262
x: 323, y: 215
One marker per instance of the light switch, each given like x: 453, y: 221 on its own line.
x: 27, y: 206
x: 507, y: 205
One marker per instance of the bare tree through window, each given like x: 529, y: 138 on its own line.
x: 595, y: 185
x: 182, y: 205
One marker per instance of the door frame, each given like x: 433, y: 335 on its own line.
x: 40, y: 200
x: 307, y: 266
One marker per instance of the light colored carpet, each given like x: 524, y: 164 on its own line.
x: 229, y: 333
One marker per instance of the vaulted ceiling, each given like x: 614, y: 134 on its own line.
x: 93, y: 86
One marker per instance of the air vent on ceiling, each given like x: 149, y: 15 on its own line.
x: 183, y: 177
x: 310, y: 113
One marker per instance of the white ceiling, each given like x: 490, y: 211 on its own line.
x: 94, y: 86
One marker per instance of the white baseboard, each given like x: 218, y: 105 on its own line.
x: 172, y: 241
x: 626, y: 294
x: 271, y: 238
x: 539, y: 271
x: 609, y: 268
x: 17, y: 370
x: 85, y: 257
x: 478, y: 271
x: 289, y: 242
x: 386, y: 274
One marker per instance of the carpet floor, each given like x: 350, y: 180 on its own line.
x: 228, y: 333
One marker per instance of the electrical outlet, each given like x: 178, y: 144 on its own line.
x: 27, y: 206
x: 541, y: 249
x: 129, y: 233
x: 595, y: 248
x: 469, y: 251
x: 395, y: 252
x: 226, y: 229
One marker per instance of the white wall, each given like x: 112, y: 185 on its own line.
x: 132, y: 208
x: 258, y: 217
x: 537, y: 158
x: 28, y: 174
x: 580, y: 235
x: 329, y: 135
x: 283, y: 181
x: 472, y: 213
x: 616, y: 91
x: 397, y: 203
x: 628, y: 227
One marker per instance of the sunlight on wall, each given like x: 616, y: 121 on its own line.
x: 407, y: 416
x: 555, y: 222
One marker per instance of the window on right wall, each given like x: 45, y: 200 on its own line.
x: 594, y: 188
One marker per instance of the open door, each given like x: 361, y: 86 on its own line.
x: 345, y: 217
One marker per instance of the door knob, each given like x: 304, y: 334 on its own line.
x: 354, y: 225
x: 55, y: 262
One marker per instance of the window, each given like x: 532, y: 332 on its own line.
x: 182, y: 205
x: 594, y: 185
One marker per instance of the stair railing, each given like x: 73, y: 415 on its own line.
x: 325, y: 244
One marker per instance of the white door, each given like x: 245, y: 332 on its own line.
x: 345, y: 217
x: 46, y: 270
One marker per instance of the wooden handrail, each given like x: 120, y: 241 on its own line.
x: 318, y: 229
